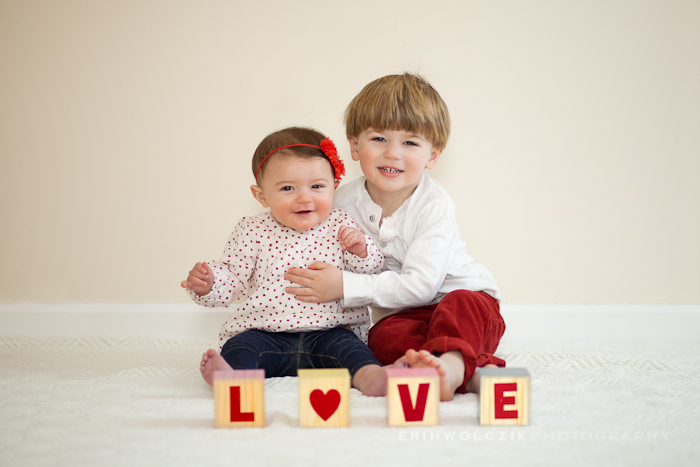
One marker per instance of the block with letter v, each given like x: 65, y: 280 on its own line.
x: 413, y: 396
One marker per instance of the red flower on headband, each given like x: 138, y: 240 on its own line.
x: 331, y: 153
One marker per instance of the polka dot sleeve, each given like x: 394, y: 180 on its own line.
x: 233, y: 271
x: 372, y: 264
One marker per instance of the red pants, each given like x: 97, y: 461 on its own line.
x: 463, y: 321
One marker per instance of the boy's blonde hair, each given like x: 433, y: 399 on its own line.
x: 400, y: 102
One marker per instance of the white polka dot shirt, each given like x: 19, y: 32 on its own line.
x: 258, y: 254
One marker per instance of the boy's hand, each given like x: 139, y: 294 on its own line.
x: 200, y: 279
x: 353, y: 240
x: 320, y: 283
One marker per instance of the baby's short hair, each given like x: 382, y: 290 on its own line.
x: 400, y: 102
x: 281, y: 138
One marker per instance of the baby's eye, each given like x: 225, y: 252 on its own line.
x: 286, y: 188
x: 317, y: 186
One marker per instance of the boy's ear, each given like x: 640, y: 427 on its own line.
x: 258, y: 194
x: 353, y: 148
x: 434, y: 156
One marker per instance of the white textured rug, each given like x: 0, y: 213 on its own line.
x: 141, y: 401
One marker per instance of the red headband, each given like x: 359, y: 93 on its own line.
x: 328, y: 149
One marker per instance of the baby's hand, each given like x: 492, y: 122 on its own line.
x: 200, y: 279
x: 353, y: 240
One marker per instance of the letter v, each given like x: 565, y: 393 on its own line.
x: 411, y: 413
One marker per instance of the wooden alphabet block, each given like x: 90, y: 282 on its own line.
x: 324, y: 398
x: 504, y: 396
x: 239, y: 398
x: 413, y: 396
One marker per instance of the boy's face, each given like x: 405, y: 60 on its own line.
x: 298, y: 191
x: 393, y: 160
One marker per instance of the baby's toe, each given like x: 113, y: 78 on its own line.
x: 402, y: 362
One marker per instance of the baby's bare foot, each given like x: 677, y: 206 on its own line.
x: 450, y: 368
x: 402, y: 362
x: 370, y: 380
x: 211, y: 362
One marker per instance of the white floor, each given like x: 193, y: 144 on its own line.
x: 101, y: 386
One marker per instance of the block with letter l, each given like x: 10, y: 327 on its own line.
x: 239, y: 398
x: 504, y: 396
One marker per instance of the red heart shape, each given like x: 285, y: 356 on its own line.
x: 326, y: 404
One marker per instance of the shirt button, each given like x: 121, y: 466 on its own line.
x: 371, y: 218
x: 383, y: 244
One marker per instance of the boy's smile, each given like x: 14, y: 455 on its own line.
x: 390, y: 171
x: 393, y: 161
x: 298, y: 190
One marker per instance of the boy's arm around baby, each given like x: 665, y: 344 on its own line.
x: 425, y: 246
x: 322, y: 282
x: 413, y: 281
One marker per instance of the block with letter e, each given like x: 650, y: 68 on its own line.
x: 412, y: 396
x: 324, y: 397
x: 239, y: 398
x: 504, y: 396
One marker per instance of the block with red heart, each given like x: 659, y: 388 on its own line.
x: 324, y: 397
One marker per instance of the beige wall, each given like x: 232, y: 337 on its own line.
x: 126, y: 130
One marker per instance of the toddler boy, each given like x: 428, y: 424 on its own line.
x: 432, y: 305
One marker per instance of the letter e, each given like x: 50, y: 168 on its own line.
x: 500, y: 400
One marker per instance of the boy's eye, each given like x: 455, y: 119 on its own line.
x: 378, y: 138
x: 411, y: 143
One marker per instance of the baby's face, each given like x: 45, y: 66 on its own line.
x: 298, y: 191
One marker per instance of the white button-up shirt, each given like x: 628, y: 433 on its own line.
x: 424, y: 252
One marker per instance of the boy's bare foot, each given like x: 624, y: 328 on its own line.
x: 211, y: 362
x: 450, y: 368
x: 370, y: 380
x: 473, y: 383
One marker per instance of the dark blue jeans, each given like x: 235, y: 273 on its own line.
x: 283, y: 353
